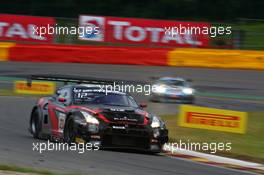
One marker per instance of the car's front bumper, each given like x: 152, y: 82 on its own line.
x: 173, y: 98
x: 133, y: 136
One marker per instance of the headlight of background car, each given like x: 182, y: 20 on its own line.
x: 188, y: 91
x: 155, y: 122
x: 159, y: 88
x: 89, y: 118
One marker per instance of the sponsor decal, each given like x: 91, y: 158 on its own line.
x: 21, y: 28
x: 116, y: 109
x: 126, y: 119
x: 212, y: 119
x: 61, y: 120
x: 96, y: 24
x: 37, y: 87
x: 143, y: 31
x: 119, y: 127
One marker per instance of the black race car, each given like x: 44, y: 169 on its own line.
x: 86, y: 112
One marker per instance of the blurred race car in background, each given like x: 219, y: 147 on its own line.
x: 85, y: 112
x: 170, y: 89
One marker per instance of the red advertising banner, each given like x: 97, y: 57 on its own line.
x: 24, y: 28
x: 144, y: 31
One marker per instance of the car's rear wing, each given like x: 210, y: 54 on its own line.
x: 77, y: 79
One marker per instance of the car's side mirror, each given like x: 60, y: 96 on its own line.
x: 143, y: 105
x: 62, y: 100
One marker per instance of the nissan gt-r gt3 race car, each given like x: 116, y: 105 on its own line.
x: 85, y: 111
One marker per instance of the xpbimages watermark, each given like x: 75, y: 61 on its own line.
x: 212, y: 147
x: 54, y: 146
x: 65, y: 30
x: 212, y: 31
x: 146, y: 89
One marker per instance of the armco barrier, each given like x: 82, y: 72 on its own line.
x: 213, y: 58
x: 89, y: 54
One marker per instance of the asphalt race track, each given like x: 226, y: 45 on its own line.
x: 16, y: 143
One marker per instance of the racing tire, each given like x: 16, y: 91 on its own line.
x: 35, y: 124
x: 157, y: 151
x: 69, y: 133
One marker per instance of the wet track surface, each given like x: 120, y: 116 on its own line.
x: 16, y: 143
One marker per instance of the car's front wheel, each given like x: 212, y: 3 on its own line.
x: 69, y: 133
x: 35, y: 124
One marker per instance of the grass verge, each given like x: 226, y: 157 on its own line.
x: 8, y: 92
x: 247, y: 146
x: 14, y: 168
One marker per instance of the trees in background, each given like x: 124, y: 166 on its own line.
x: 164, y: 9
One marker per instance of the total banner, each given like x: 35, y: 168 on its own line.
x: 212, y: 119
x: 21, y: 28
x: 142, y: 31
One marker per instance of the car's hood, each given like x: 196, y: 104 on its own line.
x: 102, y: 106
x: 120, y: 114
x: 177, y: 87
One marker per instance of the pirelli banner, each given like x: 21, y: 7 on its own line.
x: 36, y: 88
x: 212, y: 119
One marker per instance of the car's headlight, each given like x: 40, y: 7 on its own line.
x: 187, y: 91
x: 155, y: 122
x: 159, y: 88
x: 89, y: 118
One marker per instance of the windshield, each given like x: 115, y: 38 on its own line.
x: 93, y: 96
x: 174, y: 82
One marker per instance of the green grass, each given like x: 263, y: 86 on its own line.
x: 247, y: 146
x: 15, y: 168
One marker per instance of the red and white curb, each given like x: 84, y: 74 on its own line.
x: 214, y: 160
